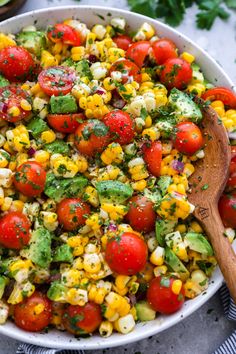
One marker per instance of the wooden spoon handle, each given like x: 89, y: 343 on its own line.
x: 209, y: 217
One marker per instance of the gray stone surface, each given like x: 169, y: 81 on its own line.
x: 202, y: 332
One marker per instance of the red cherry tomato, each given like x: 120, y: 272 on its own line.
x: 141, y: 215
x: 30, y: 178
x: 127, y: 69
x: 14, y: 230
x: 126, y: 254
x: 120, y: 126
x: 56, y: 80
x: 137, y: 52
x: 227, y: 209
x: 176, y: 72
x: 11, y: 96
x: 82, y: 319
x: 34, y: 313
x: 122, y: 41
x: 233, y: 152
x: 164, y: 49
x: 16, y: 63
x: 92, y: 137
x: 152, y: 154
x: 231, y: 184
x: 188, y: 138
x: 65, y: 123
x: 72, y: 213
x: 161, y: 297
x: 63, y: 33
x: 221, y: 93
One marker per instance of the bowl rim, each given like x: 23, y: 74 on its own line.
x: 39, y: 338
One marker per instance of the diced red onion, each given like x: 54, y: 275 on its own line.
x: 232, y: 135
x: 3, y: 107
x: 112, y: 227
x: 31, y: 151
x: 133, y: 299
x: 100, y: 92
x: 92, y: 58
x: 177, y: 165
x: 117, y: 101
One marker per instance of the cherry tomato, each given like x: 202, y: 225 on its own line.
x: 56, y: 80
x: 92, y: 137
x: 176, y: 72
x: 34, y: 313
x: 72, y: 213
x: 231, y: 184
x: 122, y: 41
x: 152, y: 154
x: 137, y: 52
x: 221, y: 93
x: 63, y: 33
x: 16, y: 63
x: 82, y: 319
x: 30, y: 178
x: 164, y: 49
x: 227, y: 209
x: 11, y: 96
x: 126, y: 254
x: 141, y: 215
x: 127, y: 69
x: 14, y: 230
x: 120, y: 126
x: 65, y: 123
x: 233, y: 152
x: 161, y: 297
x: 188, y: 138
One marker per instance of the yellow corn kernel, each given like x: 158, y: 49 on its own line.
x: 188, y: 169
x: 114, y: 54
x: 42, y: 156
x: 4, y: 158
x: 38, y: 309
x: 77, y: 53
x: 139, y: 185
x: 77, y: 296
x: 151, y: 133
x: 160, y: 270
x: 145, y: 77
x: 47, y: 59
x: 100, y: 295
x: 127, y: 92
x: 25, y: 87
x: 148, y: 122
x: 157, y: 256
x: 197, y: 88
x: 166, y: 148
x: 17, y: 205
x: 176, y: 286
x: 104, y: 240
x: 75, y: 241
x: 14, y: 111
x: 188, y: 57
x: 113, y: 153
x: 92, y: 263
x: 105, y: 329
x: 110, y: 313
x: 36, y: 90
x: 92, y: 196
x: 6, y: 41
x: 196, y: 227
x: 181, y: 228
x: 6, y: 204
x: 121, y: 281
x: 48, y: 136
x: 218, y: 107
x: 94, y: 221
x: 25, y: 105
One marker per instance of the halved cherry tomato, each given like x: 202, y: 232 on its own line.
x: 122, y: 41
x: 233, y: 152
x: 137, y: 52
x: 126, y: 254
x: 82, y: 319
x: 141, y: 215
x: 34, y: 313
x: 56, y: 80
x: 14, y: 230
x: 161, y: 297
x: 72, y: 213
x: 120, y: 126
x: 227, y: 209
x: 92, y: 137
x: 11, y: 96
x: 63, y: 33
x: 16, y: 63
x: 231, y: 184
x: 127, y: 69
x: 221, y: 93
x: 152, y: 154
x: 176, y: 72
x: 187, y: 138
x: 164, y: 49
x: 65, y: 123
x: 30, y: 178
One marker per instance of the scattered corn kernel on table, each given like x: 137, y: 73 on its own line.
x: 203, y: 331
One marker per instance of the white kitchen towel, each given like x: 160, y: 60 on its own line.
x: 34, y: 349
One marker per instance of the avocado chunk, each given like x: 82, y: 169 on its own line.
x: 58, y: 188
x: 81, y: 67
x: 57, y: 291
x: 3, y: 82
x: 63, y: 253
x: 154, y: 195
x: 113, y: 191
x: 33, y: 41
x: 162, y: 228
x: 63, y: 104
x: 175, y: 264
x: 40, y: 248
x: 3, y: 283
x: 173, y: 238
x: 166, y: 126
x: 197, y: 242
x: 36, y: 126
x: 163, y: 183
x: 57, y: 147
x: 144, y: 311
x: 183, y: 107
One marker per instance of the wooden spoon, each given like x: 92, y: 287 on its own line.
x: 206, y: 185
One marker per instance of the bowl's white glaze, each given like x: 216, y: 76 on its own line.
x: 214, y: 73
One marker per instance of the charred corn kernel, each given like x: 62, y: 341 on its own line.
x: 176, y: 286
x: 48, y: 136
x: 160, y: 270
x: 77, y: 53
x: 17, y: 205
x: 127, y: 92
x: 77, y: 296
x: 91, y: 195
x: 188, y: 169
x: 196, y: 227
x: 6, y: 41
x: 47, y: 59
x: 92, y: 263
x: 25, y: 105
x: 71, y: 277
x: 105, y: 329
x: 112, y: 154
x: 188, y: 57
x: 41, y: 156
x: 14, y: 111
x: 218, y: 107
x: 114, y: 54
x: 151, y: 133
x: 94, y: 221
x: 157, y: 256
x: 108, y: 84
x: 139, y: 185
x: 125, y: 324
x: 197, y: 88
x: 181, y: 228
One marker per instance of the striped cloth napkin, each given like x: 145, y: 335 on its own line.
x: 228, y: 347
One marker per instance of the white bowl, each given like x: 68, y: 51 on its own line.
x: 214, y: 73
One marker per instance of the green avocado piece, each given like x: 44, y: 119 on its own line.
x: 3, y: 82
x: 197, y: 242
x: 162, y: 228
x: 58, y: 147
x: 163, y: 183
x: 166, y: 126
x: 63, y: 253
x: 33, y: 41
x: 175, y: 264
x: 144, y: 311
x: 36, y: 126
x: 57, y: 291
x: 40, y: 248
x: 182, y: 106
x: 63, y: 104
x: 113, y: 191
x: 3, y: 283
x: 81, y: 67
